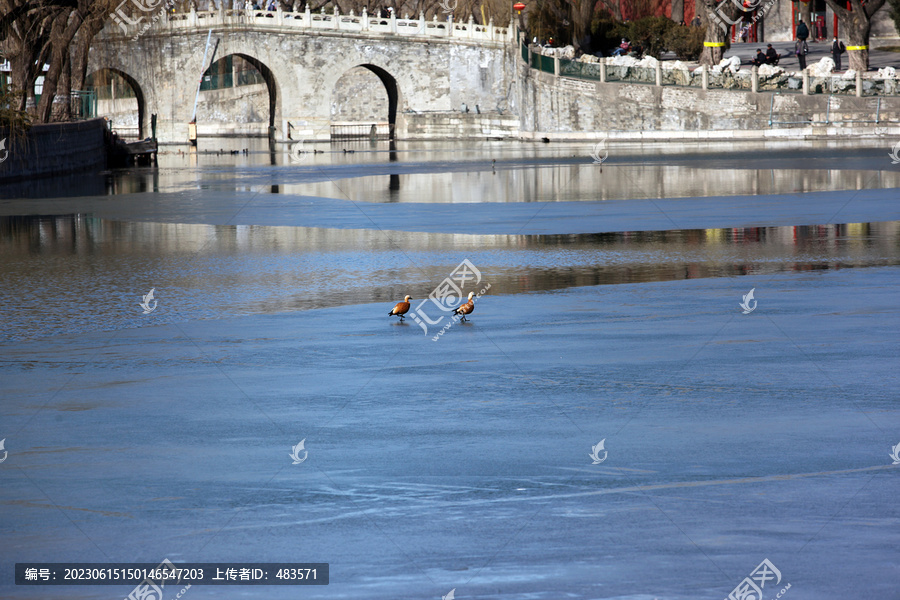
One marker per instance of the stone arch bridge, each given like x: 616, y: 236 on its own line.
x: 429, y: 69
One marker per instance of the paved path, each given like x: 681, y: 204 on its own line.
x: 817, y: 50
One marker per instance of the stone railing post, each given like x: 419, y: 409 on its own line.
x: 556, y: 65
x: 530, y: 60
x: 365, y: 19
x: 307, y: 17
x: 754, y: 79
x: 449, y: 25
x: 393, y: 21
x: 335, y: 18
x: 422, y: 29
x: 603, y: 69
x: 658, y: 73
x: 805, y: 78
x: 704, y: 77
x: 470, y: 30
x: 279, y: 14
x: 859, y: 84
x: 193, y: 18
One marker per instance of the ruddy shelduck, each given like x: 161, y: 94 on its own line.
x: 467, y: 308
x: 401, y: 309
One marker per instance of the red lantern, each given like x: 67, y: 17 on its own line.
x: 519, y: 7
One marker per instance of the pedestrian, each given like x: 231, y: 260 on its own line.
x: 837, y: 48
x: 695, y: 22
x: 802, y: 31
x: 771, y: 56
x: 801, y: 49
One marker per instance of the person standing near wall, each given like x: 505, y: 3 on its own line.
x: 802, y: 31
x: 801, y: 49
x: 837, y: 48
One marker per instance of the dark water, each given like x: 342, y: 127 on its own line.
x: 74, y: 273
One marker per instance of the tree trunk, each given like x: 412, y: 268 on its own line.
x: 858, y: 37
x: 64, y: 89
x: 582, y: 12
x: 64, y: 28
x: 857, y: 24
x: 20, y: 78
x: 719, y: 21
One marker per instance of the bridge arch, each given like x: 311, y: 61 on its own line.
x: 100, y: 80
x: 361, y: 95
x: 230, y: 72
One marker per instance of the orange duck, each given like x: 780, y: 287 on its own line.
x: 467, y: 308
x: 401, y: 309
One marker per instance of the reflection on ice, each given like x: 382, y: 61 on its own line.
x: 74, y: 272
x: 587, y: 182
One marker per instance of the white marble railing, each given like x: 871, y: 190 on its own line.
x: 364, y: 23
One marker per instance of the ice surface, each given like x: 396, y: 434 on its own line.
x: 464, y: 463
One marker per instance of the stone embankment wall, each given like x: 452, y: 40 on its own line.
x: 54, y: 149
x: 557, y: 107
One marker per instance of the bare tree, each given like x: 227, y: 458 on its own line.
x: 38, y: 32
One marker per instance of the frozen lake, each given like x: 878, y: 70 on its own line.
x: 462, y: 463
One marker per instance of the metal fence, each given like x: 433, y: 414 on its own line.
x: 360, y: 131
x: 783, y: 83
x: 579, y: 70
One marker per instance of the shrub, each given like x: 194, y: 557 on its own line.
x: 605, y: 32
x: 685, y: 41
x: 649, y: 34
